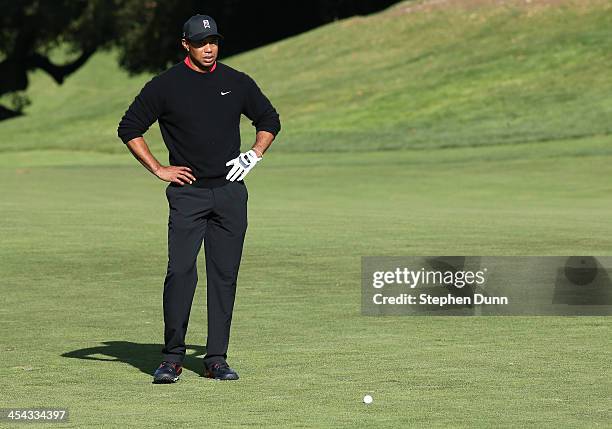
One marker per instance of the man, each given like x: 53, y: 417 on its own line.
x: 198, y: 103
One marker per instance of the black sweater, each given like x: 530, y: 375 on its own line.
x: 199, y: 117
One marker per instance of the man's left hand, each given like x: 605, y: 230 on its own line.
x: 241, y: 165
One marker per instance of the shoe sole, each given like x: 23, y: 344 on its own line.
x: 165, y: 380
x: 231, y: 377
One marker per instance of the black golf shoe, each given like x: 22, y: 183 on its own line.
x: 168, y: 372
x: 219, y: 370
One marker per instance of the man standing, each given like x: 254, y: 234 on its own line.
x: 198, y: 103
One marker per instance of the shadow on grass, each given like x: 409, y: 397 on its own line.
x: 145, y: 357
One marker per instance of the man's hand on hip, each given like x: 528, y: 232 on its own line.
x: 180, y: 175
x: 241, y: 165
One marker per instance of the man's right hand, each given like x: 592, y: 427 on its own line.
x: 180, y: 175
x: 140, y: 150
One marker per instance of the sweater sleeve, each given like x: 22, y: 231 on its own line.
x: 259, y: 110
x: 142, y: 113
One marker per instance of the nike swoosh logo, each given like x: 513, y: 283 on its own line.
x: 225, y: 93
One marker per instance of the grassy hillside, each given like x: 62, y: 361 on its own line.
x: 438, y: 74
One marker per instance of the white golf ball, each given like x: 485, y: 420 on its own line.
x: 367, y: 399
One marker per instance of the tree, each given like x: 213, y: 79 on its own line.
x: 31, y: 28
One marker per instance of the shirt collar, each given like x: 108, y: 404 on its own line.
x: 188, y: 62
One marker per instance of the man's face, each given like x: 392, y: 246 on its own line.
x: 204, y: 52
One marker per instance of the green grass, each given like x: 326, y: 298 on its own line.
x: 504, y: 155
x: 83, y: 261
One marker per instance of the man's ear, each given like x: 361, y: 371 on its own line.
x: 185, y: 44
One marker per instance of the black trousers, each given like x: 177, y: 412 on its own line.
x: 218, y: 216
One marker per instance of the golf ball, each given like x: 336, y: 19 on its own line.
x: 367, y: 399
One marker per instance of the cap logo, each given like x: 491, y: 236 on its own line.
x: 206, y: 23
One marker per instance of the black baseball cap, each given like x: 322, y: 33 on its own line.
x: 199, y: 27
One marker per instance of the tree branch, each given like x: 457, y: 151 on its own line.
x: 58, y: 72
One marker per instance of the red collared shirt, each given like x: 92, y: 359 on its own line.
x: 188, y: 62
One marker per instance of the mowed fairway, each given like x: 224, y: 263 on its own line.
x: 477, y: 128
x: 83, y: 260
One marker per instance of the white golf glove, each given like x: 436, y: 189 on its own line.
x: 241, y: 165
